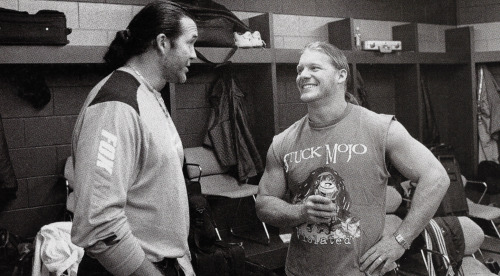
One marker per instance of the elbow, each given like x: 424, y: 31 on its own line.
x: 264, y: 210
x: 442, y: 181
x: 259, y: 208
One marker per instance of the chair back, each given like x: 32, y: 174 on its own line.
x: 69, y: 175
x: 206, y: 159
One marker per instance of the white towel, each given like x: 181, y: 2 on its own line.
x: 54, y: 251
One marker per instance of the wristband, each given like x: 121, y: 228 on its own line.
x: 401, y: 241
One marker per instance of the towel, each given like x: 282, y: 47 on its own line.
x: 54, y: 251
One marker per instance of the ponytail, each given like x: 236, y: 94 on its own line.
x: 118, y: 54
x: 155, y: 18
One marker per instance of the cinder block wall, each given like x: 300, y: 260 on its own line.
x: 39, y: 139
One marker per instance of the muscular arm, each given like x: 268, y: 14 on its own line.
x: 273, y: 209
x: 418, y: 164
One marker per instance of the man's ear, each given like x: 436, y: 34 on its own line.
x: 162, y: 42
x: 342, y: 76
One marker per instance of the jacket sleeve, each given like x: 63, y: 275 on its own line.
x: 106, y: 152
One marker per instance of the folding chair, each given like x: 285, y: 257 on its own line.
x: 69, y: 176
x: 216, y: 181
x: 473, y: 239
x: 480, y: 211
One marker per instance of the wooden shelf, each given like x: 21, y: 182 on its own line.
x: 51, y: 54
x: 485, y: 57
x: 252, y: 55
x: 443, y: 58
x: 284, y: 56
x: 94, y: 54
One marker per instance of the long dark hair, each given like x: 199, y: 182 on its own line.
x: 155, y: 18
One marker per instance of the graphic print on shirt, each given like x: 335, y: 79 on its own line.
x: 342, y: 227
x: 107, y: 150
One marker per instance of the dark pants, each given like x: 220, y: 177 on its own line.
x: 91, y: 267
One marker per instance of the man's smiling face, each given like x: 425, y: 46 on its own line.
x: 316, y: 76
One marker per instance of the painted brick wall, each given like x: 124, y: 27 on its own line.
x: 39, y: 142
x: 486, y: 36
x: 477, y: 11
x: 484, y: 16
x: 423, y: 11
x: 96, y: 22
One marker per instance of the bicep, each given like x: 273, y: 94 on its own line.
x: 410, y: 157
x: 273, y: 181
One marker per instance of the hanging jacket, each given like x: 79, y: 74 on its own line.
x: 488, y: 99
x: 8, y: 181
x: 228, y: 131
x: 360, y: 92
x: 430, y: 131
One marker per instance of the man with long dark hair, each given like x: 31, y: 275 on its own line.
x: 131, y: 210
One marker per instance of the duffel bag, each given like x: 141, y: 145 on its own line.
x: 46, y: 27
x: 216, y: 24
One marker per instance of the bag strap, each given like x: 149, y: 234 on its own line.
x: 225, y: 61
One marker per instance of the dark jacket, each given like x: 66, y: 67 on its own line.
x: 8, y: 181
x: 228, y: 131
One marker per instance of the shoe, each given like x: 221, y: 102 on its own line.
x: 243, y: 40
x: 257, y: 40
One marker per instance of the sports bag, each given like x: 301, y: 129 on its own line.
x: 454, y: 202
x: 16, y: 254
x: 216, y: 24
x: 224, y: 259
x: 489, y: 172
x: 209, y: 256
x: 46, y: 27
x: 445, y: 239
x: 8, y: 251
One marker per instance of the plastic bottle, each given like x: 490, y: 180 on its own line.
x: 357, y: 39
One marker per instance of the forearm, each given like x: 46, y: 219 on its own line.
x: 428, y: 195
x: 120, y: 257
x: 279, y: 213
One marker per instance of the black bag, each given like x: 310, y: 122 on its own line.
x: 8, y: 251
x: 449, y: 236
x: 16, y: 254
x: 202, y: 234
x: 454, y: 202
x: 255, y: 269
x: 216, y: 24
x: 224, y: 259
x: 489, y: 172
x: 46, y: 27
x: 209, y: 256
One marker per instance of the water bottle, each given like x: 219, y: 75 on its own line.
x: 357, y: 39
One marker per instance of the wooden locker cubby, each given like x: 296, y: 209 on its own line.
x: 268, y: 77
